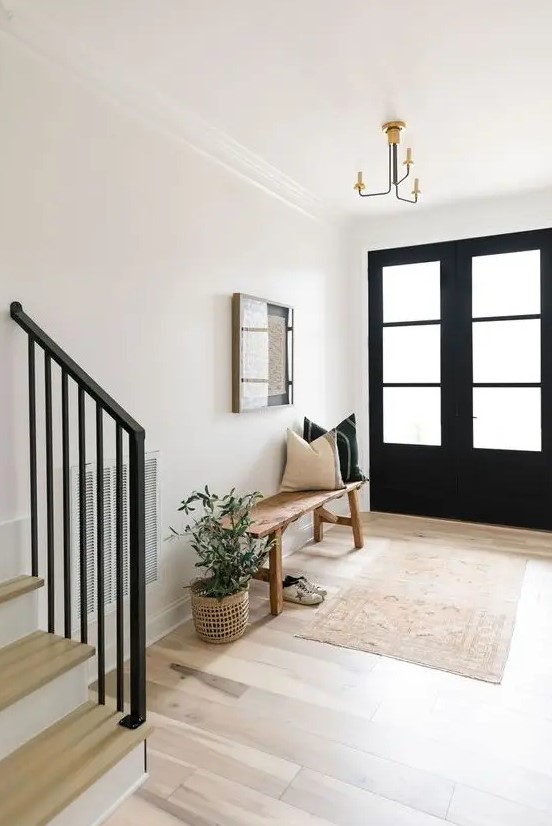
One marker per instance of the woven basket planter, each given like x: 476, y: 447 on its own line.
x: 219, y: 621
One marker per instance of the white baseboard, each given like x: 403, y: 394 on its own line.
x: 165, y: 621
x: 128, y: 793
x: 158, y: 625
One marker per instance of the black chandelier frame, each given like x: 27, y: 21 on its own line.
x: 393, y: 130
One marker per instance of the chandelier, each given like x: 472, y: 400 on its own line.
x: 393, y: 131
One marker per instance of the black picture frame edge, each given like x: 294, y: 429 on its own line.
x: 237, y: 353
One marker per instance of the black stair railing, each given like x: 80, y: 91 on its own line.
x: 105, y: 406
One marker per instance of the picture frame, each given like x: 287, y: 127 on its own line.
x: 262, y: 353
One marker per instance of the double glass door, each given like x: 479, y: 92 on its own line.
x: 461, y: 378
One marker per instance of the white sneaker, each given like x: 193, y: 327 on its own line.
x: 316, y: 589
x: 301, y: 593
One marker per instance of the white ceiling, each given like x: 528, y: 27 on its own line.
x: 306, y: 84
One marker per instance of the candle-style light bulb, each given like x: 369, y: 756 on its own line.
x: 359, y: 186
x: 416, y: 190
x: 409, y: 160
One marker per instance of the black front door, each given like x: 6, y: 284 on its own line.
x: 461, y: 379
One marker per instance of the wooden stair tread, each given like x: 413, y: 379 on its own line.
x: 35, y: 660
x: 19, y: 585
x: 46, y: 774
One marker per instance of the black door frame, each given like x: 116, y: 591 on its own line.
x: 455, y: 480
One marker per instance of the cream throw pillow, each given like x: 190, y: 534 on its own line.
x: 313, y: 466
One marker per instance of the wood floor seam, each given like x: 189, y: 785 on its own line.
x: 450, y: 801
x: 300, y: 768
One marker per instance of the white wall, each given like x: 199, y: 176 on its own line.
x: 420, y: 225
x: 126, y: 245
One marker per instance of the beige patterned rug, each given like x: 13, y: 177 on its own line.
x: 441, y: 607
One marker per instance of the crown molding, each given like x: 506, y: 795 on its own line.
x: 45, y: 36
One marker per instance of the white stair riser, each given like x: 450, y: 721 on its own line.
x: 18, y: 618
x: 99, y: 802
x: 15, y: 543
x: 37, y: 711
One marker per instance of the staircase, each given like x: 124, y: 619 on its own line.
x: 69, y: 757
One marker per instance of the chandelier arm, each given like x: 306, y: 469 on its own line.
x: 404, y: 177
x: 387, y: 191
x: 406, y: 200
x: 399, y: 197
x: 374, y: 194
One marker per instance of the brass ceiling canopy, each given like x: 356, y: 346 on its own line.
x: 393, y: 129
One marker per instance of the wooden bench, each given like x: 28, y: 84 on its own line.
x: 273, y: 515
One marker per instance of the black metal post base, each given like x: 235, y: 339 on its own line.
x: 132, y: 721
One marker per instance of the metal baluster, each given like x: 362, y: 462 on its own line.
x: 100, y: 553
x: 119, y: 567
x: 136, y: 516
x: 137, y: 541
x: 82, y: 520
x: 49, y: 493
x: 32, y: 458
x: 66, y: 506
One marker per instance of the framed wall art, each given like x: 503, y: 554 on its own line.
x: 262, y: 353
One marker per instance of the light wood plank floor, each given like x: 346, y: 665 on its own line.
x: 274, y: 729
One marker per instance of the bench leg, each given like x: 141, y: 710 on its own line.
x: 318, y: 526
x: 275, y: 574
x: 355, y: 518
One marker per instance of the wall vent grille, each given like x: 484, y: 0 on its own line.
x: 152, y: 532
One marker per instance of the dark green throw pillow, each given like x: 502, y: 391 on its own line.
x: 347, y: 446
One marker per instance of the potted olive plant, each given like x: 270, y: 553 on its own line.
x: 229, y: 557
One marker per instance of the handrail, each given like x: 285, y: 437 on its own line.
x: 136, y: 515
x: 77, y: 373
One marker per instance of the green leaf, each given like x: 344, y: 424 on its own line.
x: 220, y: 539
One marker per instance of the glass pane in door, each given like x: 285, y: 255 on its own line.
x: 412, y: 355
x: 412, y: 292
x: 507, y: 418
x: 507, y: 351
x: 506, y: 284
x: 412, y: 415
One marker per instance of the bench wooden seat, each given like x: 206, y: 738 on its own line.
x: 273, y: 515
